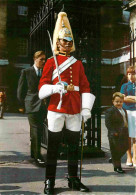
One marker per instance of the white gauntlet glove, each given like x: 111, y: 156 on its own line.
x: 47, y: 90
x: 58, y: 89
x: 87, y: 104
x: 86, y: 114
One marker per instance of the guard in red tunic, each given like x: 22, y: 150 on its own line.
x: 70, y: 101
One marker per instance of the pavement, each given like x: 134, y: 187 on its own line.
x: 19, y: 174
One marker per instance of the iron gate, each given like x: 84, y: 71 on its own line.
x: 85, y: 22
x: 132, y: 46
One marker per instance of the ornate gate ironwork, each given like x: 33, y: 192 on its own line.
x: 132, y: 46
x: 85, y: 22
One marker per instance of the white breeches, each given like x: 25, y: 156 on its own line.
x: 132, y: 123
x: 56, y: 121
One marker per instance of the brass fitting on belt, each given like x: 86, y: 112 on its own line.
x: 70, y: 87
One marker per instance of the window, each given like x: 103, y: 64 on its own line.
x: 22, y: 47
x: 22, y: 10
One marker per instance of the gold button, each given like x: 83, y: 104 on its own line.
x: 70, y: 67
x: 71, y: 76
x: 70, y: 71
x: 71, y: 81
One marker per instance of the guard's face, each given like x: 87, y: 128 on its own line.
x: 40, y: 62
x: 118, y: 102
x: 132, y: 77
x: 64, y: 45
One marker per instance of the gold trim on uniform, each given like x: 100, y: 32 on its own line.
x: 64, y: 54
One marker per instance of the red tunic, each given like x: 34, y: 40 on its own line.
x: 71, y: 101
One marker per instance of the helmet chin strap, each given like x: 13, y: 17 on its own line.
x: 62, y: 45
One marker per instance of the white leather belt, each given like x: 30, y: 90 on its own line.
x: 68, y: 88
x: 76, y: 88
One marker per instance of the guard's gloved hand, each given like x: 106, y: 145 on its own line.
x: 59, y: 88
x: 86, y: 114
x: 47, y: 90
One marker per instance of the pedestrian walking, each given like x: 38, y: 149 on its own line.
x: 2, y: 102
x: 129, y: 91
x: 65, y: 81
x: 117, y: 124
x: 27, y: 94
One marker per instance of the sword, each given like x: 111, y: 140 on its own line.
x: 55, y: 59
x: 57, y: 68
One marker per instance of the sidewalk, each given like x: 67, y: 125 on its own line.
x: 20, y: 176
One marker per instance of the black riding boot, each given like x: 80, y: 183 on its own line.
x: 75, y: 184
x: 54, y: 139
x: 49, y: 186
x: 73, y: 145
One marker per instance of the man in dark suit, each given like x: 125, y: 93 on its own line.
x: 117, y: 125
x: 27, y: 94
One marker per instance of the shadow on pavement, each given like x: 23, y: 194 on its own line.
x: 61, y: 190
x: 7, y: 187
x: 113, y: 188
x: 7, y: 114
x: 15, y: 175
x: 19, y: 193
x: 13, y: 156
x: 21, y: 175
